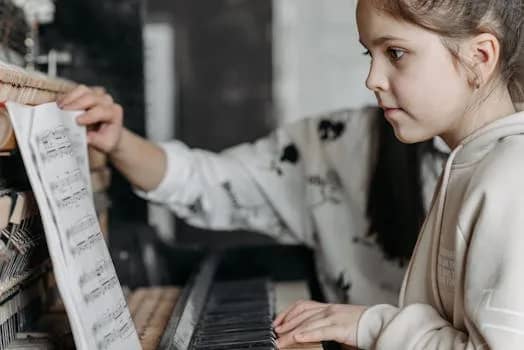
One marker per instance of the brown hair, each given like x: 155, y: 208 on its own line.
x: 460, y: 19
x: 395, y: 203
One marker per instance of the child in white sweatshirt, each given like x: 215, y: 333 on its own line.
x: 450, y: 68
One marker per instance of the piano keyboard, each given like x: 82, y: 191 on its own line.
x: 230, y: 315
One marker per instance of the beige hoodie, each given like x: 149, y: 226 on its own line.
x: 464, y: 288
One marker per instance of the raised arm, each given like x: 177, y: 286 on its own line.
x: 259, y: 186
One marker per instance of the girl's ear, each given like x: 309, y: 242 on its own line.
x: 484, y: 55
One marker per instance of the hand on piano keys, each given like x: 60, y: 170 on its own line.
x: 215, y: 314
x: 286, y: 295
x: 307, y: 322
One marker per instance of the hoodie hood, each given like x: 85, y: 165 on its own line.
x: 475, y: 146
x: 472, y: 149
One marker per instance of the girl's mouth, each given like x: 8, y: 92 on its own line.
x: 391, y: 112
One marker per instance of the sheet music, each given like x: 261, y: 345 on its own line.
x: 54, y: 151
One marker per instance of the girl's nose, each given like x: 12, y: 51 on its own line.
x: 376, y: 80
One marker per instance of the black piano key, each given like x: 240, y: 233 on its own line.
x: 235, y: 309
x: 228, y: 344
x: 229, y: 318
x: 237, y: 315
x: 241, y: 347
x: 242, y: 335
x: 233, y: 327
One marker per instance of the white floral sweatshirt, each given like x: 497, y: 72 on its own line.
x: 464, y: 288
x: 306, y: 183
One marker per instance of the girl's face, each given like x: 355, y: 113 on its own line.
x: 423, y: 90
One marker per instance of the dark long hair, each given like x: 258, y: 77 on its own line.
x: 395, y: 202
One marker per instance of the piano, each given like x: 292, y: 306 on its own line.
x: 222, y: 307
x: 215, y: 300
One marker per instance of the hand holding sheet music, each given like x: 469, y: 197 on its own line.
x: 54, y: 151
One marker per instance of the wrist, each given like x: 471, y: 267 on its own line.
x: 361, y: 310
x: 120, y: 144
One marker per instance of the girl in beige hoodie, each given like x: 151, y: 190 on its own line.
x: 448, y: 68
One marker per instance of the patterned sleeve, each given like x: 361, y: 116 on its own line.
x: 258, y: 187
x: 269, y: 186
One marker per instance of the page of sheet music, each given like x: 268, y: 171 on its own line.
x: 54, y: 151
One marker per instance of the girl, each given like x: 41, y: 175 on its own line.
x: 448, y: 68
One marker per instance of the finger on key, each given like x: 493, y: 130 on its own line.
x: 292, y: 323
x: 299, y: 308
x: 284, y: 314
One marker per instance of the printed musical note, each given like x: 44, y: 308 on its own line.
x: 70, y: 199
x: 121, y: 333
x: 109, y: 317
x: 87, y: 244
x: 81, y: 226
x: 54, y: 143
x: 101, y: 290
x: 98, y: 271
x: 63, y: 183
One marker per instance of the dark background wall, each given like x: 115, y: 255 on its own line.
x: 224, y: 77
x: 223, y: 53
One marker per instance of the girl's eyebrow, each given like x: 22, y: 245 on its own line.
x: 381, y: 40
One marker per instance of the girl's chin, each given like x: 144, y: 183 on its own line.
x: 407, y: 129
x: 405, y: 136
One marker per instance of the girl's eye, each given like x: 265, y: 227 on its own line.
x: 395, y: 54
x: 366, y: 53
